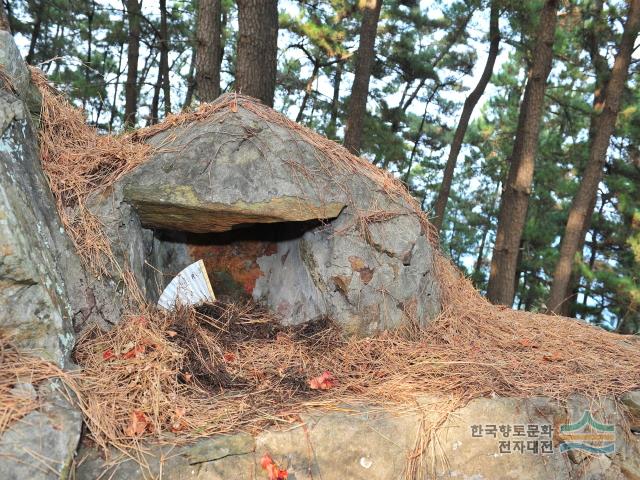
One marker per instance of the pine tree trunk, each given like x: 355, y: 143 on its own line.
x: 155, y: 100
x: 469, y: 104
x: 11, y: 18
x: 597, y: 21
x: 308, y: 89
x: 581, y: 209
x: 35, y: 32
x: 515, y: 198
x: 89, y: 63
x: 416, y: 142
x: 333, y: 119
x: 149, y: 62
x: 191, y: 82
x: 257, y: 61
x: 208, y: 50
x: 480, y: 258
x: 164, y: 57
x: 133, y: 52
x: 114, y: 109
x: 357, y: 106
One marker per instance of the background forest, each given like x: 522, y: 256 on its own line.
x: 515, y: 123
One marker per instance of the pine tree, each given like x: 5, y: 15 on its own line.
x: 257, y: 49
x: 606, y: 112
x: 357, y: 107
x: 515, y: 197
x: 208, y: 49
x: 469, y: 104
x: 4, y: 19
x: 134, y: 17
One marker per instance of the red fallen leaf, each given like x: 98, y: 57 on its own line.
x: 108, y: 355
x: 553, y: 357
x: 178, y: 426
x: 177, y: 421
x: 272, y: 469
x: 526, y: 342
x: 323, y: 382
x: 134, y: 352
x: 139, y: 424
x: 265, y: 461
x: 276, y: 473
x: 141, y: 320
x: 171, y: 333
x: 229, y: 357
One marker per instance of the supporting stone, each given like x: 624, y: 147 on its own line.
x: 370, y: 443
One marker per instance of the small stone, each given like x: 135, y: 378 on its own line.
x: 632, y: 401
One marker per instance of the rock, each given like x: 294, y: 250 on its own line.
x: 180, y: 207
x: 131, y: 246
x: 33, y: 298
x: 11, y: 108
x: 42, y: 287
x: 226, y: 456
x: 42, y: 445
x: 18, y: 74
x: 632, y: 401
x: 366, y: 444
x: 371, y: 443
x: 300, y: 234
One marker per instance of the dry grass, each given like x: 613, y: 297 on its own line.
x: 196, y: 374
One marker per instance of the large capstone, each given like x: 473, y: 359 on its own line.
x: 278, y: 218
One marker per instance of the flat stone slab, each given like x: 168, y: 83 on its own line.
x: 490, y: 438
x: 179, y: 207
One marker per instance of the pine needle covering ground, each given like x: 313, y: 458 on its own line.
x: 236, y: 368
x: 78, y: 161
x: 232, y: 367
